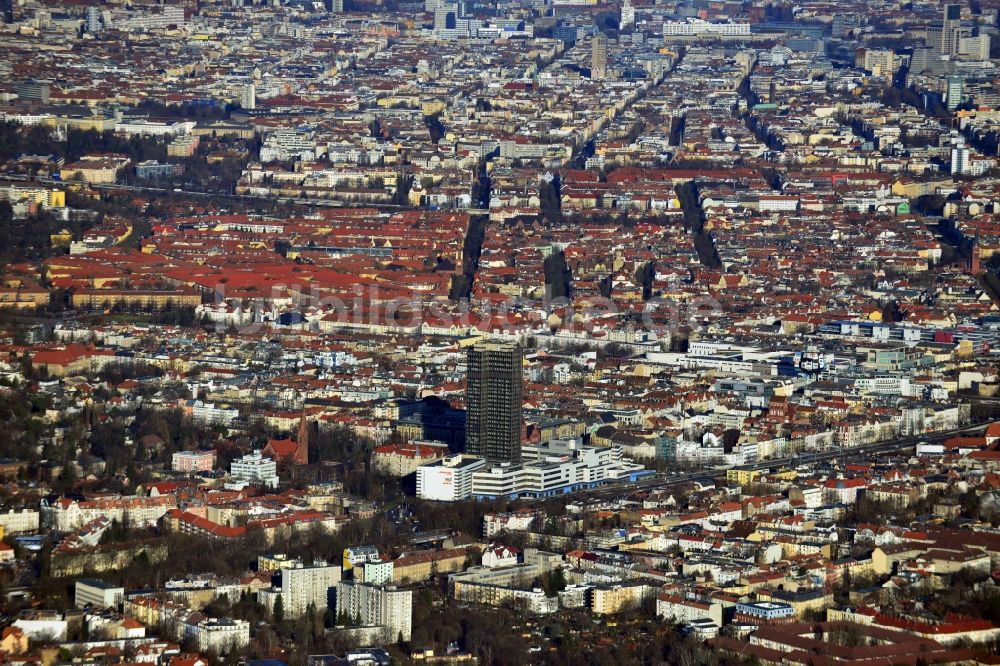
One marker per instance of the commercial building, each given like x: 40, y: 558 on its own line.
x: 550, y: 468
x: 33, y: 91
x: 951, y: 30
x: 599, y: 57
x: 880, y: 62
x: 698, y: 28
x: 448, y: 479
x: 494, y: 401
x: 954, y: 92
x: 97, y: 594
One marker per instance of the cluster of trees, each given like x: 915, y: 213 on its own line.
x: 475, y: 629
x: 138, y: 148
x: 21, y: 410
x: 16, y: 139
x: 26, y: 239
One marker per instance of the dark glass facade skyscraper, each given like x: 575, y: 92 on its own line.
x: 493, y: 401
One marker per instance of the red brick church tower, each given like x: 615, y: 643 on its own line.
x: 291, y: 450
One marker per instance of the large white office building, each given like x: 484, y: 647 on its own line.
x: 547, y: 469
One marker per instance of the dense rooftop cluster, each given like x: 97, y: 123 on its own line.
x: 499, y: 332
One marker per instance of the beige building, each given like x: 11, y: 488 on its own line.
x: 618, y: 597
x: 102, y: 299
x: 423, y: 564
x: 98, y: 169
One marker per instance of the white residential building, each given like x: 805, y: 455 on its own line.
x: 211, y: 414
x: 684, y: 610
x: 301, y: 586
x: 377, y: 573
x: 255, y: 469
x: 17, y: 522
x: 220, y: 635
x: 67, y: 515
x: 376, y: 605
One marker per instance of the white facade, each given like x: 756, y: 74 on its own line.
x: 375, y: 605
x: 17, y: 522
x: 448, y: 479
x: 97, y: 594
x: 960, y: 160
x: 68, y: 515
x: 219, y: 634
x: 696, y: 27
x: 683, y: 610
x: 142, y: 127
x: 207, y: 412
x: 255, y: 469
x: 548, y: 468
x: 376, y: 573
x: 301, y: 586
x: 44, y: 629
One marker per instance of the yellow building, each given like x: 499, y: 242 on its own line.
x: 802, y: 601
x: 607, y: 599
x: 785, y: 475
x: 421, y: 565
x: 275, y: 562
x: 95, y: 169
x: 19, y: 294
x: 100, y: 299
x: 14, y: 641
x: 741, y: 476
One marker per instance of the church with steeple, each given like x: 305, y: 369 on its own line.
x: 288, y: 449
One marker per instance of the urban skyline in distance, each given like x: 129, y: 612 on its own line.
x: 499, y: 332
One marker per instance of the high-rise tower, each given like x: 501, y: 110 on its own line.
x: 951, y: 29
x: 599, y: 56
x: 493, y: 401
